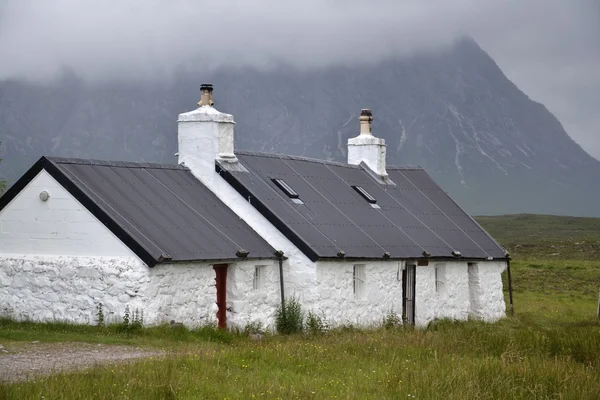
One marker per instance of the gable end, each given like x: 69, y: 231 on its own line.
x: 66, y: 182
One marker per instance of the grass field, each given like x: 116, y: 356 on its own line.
x: 550, y: 349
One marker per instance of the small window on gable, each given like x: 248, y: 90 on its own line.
x: 366, y: 195
x: 259, y: 278
x: 440, y: 277
x: 287, y: 189
x: 359, y: 278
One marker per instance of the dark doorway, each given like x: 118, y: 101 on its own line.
x: 221, y: 283
x: 408, y: 294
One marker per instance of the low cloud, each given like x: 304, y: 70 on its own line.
x: 141, y: 38
x: 548, y: 47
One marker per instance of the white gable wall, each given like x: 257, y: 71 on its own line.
x: 59, y: 226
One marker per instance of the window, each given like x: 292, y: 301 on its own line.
x: 440, y: 277
x: 287, y: 189
x: 359, y: 281
x: 259, y: 277
x: 365, y: 194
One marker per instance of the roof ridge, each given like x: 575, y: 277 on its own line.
x: 119, y: 164
x: 321, y: 161
x: 297, y: 158
x: 405, y: 168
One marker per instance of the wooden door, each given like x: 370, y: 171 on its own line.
x: 221, y: 283
x: 408, y: 294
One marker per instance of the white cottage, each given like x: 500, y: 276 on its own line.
x: 225, y: 234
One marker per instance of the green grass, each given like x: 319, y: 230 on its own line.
x: 11, y: 331
x: 550, y: 349
x: 546, y: 237
x: 516, y: 358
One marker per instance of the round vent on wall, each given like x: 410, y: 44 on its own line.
x: 44, y: 195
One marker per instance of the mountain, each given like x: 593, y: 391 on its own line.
x: 455, y: 113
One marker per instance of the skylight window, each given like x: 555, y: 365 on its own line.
x: 287, y: 189
x: 365, y: 194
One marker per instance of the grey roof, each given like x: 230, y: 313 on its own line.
x: 162, y: 212
x: 415, y: 218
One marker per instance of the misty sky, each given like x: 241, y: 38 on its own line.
x: 549, y: 48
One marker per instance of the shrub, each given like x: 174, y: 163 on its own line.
x: 391, y: 320
x: 289, y: 317
x: 100, y: 314
x: 316, y: 324
x: 132, y: 322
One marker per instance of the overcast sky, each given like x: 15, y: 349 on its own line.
x: 549, y: 48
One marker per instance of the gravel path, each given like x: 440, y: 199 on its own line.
x: 23, y: 361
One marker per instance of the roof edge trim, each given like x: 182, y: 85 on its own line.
x: 21, y: 183
x: 117, y: 164
x: 395, y: 259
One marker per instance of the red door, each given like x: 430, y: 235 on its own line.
x: 221, y: 283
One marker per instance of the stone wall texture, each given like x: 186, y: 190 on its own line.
x: 458, y: 297
x: 66, y: 288
x: 70, y: 289
x: 339, y: 303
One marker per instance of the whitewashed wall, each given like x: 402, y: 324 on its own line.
x: 337, y: 300
x: 458, y: 298
x: 486, y: 294
x: 250, y: 305
x: 63, y: 288
x: 58, y: 226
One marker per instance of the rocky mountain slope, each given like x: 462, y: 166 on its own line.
x: 456, y: 114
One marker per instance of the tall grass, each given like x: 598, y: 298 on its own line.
x: 513, y: 359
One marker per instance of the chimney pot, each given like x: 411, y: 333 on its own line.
x: 206, y: 99
x: 366, y: 122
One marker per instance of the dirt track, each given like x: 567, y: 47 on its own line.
x: 23, y: 361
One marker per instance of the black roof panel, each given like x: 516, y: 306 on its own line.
x: 414, y: 216
x: 162, y: 212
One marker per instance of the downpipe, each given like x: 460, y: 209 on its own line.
x: 280, y: 258
x: 510, y: 288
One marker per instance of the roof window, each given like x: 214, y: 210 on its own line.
x: 287, y: 189
x: 365, y: 194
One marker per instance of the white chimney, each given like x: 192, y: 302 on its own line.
x: 205, y: 135
x: 366, y: 147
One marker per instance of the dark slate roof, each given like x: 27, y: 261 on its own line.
x: 415, y: 214
x: 162, y: 212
